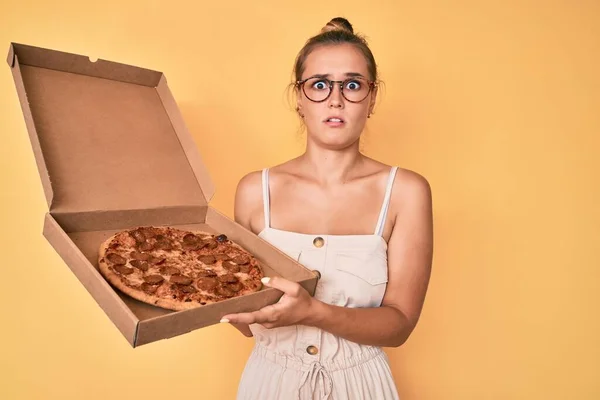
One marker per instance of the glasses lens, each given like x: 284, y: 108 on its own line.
x: 316, y: 89
x: 356, y: 89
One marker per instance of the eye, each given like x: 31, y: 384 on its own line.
x: 353, y: 85
x: 320, y: 85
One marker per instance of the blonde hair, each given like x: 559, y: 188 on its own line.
x: 337, y: 31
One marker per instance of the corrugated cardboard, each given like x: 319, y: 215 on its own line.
x: 113, y: 152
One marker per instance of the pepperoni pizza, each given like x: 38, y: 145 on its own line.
x: 178, y: 269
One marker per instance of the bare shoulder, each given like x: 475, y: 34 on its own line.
x: 248, y: 200
x: 250, y: 184
x: 411, y: 187
x: 411, y: 206
x: 411, y: 190
x: 411, y: 201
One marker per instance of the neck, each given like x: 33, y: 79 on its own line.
x: 330, y: 167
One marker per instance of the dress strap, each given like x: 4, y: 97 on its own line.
x: 266, y: 202
x: 386, y: 202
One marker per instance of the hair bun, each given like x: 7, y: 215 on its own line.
x: 338, y: 24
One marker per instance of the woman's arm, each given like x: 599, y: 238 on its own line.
x: 410, y: 252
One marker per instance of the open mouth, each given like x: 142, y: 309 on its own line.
x: 334, y: 121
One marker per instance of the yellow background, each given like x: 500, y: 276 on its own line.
x: 496, y: 103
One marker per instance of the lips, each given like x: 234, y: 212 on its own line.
x: 334, y: 122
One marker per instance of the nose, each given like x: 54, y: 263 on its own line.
x: 336, y: 100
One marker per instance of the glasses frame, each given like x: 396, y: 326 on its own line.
x: 371, y: 84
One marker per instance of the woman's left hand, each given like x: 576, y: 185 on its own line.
x: 295, y: 307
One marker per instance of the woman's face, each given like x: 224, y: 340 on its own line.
x: 336, y: 122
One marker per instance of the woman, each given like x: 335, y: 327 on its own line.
x: 365, y: 226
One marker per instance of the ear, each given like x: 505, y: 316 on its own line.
x: 373, y: 99
x: 299, y: 103
x: 298, y: 98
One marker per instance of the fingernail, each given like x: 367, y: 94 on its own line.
x: 265, y: 280
x: 224, y: 320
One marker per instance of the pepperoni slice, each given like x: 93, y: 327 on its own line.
x: 154, y: 279
x: 150, y: 289
x: 123, y: 270
x: 156, y: 260
x: 181, y: 279
x: 136, y: 255
x: 116, y: 259
x: 236, y: 287
x: 207, y: 273
x: 188, y: 289
x: 228, y: 278
x: 141, y: 265
x: 206, y: 283
x: 148, y: 232
x: 245, y: 268
x: 191, y: 238
x: 168, y: 270
x: 190, y: 246
x: 208, y: 260
x: 146, y: 246
x: 138, y: 235
x: 225, y: 291
x: 211, y: 244
x: 231, y: 267
x: 241, y: 259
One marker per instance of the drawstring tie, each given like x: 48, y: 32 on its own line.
x: 312, y: 375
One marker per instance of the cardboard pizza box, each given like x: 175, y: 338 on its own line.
x: 113, y: 152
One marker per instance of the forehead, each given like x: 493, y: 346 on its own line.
x: 335, y: 60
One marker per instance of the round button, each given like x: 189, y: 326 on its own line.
x: 312, y: 350
x: 319, y: 242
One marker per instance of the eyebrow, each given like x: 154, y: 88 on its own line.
x: 348, y: 74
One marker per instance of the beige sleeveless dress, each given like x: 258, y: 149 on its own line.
x: 301, y: 362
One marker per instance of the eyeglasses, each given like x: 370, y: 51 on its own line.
x: 318, y: 89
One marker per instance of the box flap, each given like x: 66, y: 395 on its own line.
x: 10, y: 59
x: 92, y: 280
x: 106, y: 136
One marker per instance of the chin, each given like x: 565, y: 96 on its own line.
x: 340, y: 142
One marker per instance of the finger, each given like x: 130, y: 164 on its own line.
x: 241, y: 318
x: 286, y: 286
x: 257, y: 317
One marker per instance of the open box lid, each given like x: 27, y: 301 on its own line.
x: 106, y: 136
